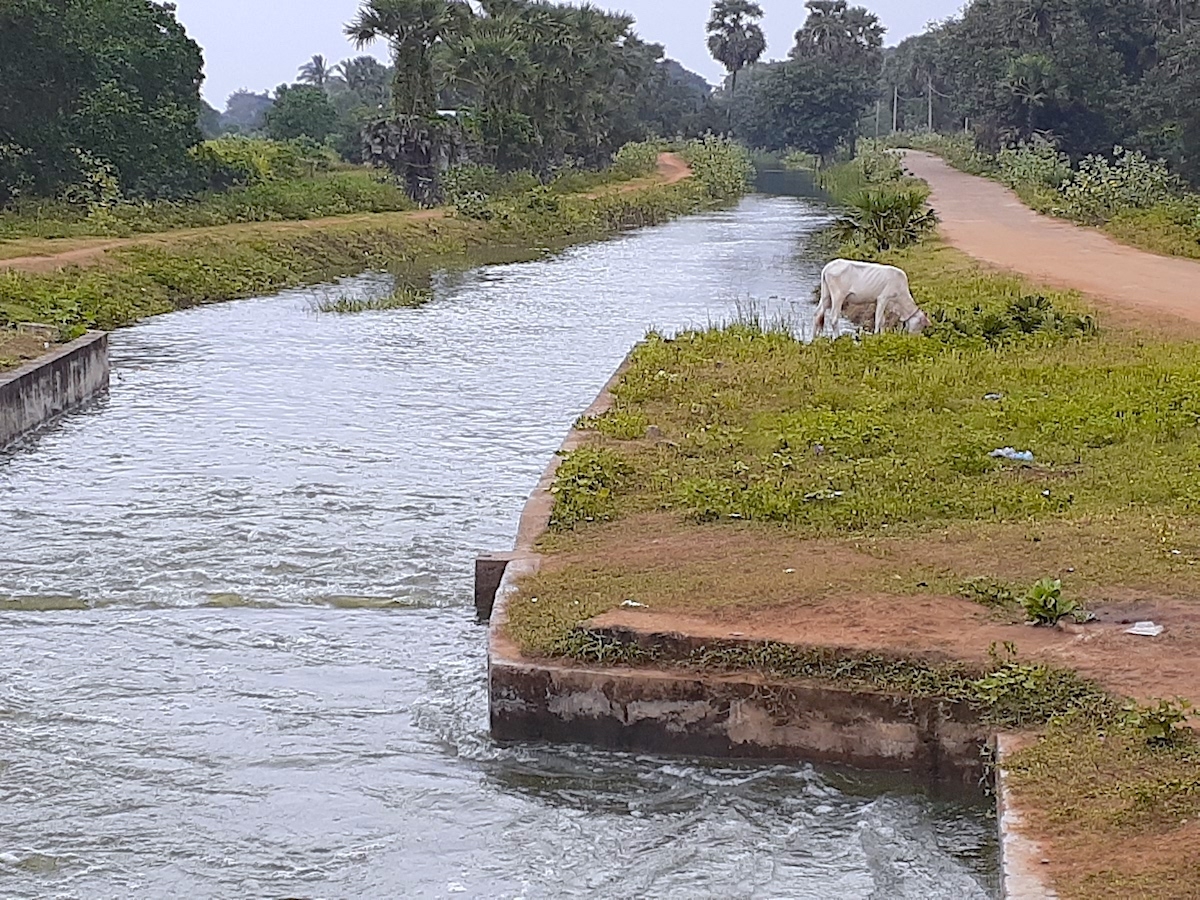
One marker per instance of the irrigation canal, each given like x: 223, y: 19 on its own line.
x: 238, y: 642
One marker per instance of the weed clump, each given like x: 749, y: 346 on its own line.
x: 584, y: 487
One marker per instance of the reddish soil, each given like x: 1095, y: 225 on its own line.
x: 89, y: 251
x: 989, y: 222
x: 733, y: 582
x: 672, y: 169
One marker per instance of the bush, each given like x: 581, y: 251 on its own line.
x: 636, y: 160
x: 722, y: 166
x: 584, y: 485
x: 239, y: 161
x: 1037, y: 164
x: 1101, y: 189
x: 886, y: 218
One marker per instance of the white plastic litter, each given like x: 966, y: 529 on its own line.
x: 1014, y: 455
x: 1145, y: 629
x: 634, y: 603
x: 993, y: 396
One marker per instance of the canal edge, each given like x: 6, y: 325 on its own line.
x: 52, y: 385
x: 556, y: 699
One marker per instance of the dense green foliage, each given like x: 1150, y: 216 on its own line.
x: 301, y: 111
x: 813, y: 100
x: 94, y: 91
x: 270, y: 200
x: 537, y: 85
x: 1085, y: 74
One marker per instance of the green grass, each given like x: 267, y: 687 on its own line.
x: 331, y: 194
x: 403, y: 296
x: 1085, y: 786
x: 1112, y: 420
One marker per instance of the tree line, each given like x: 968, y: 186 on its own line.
x: 107, y: 92
x: 1085, y: 75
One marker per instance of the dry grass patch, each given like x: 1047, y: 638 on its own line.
x: 18, y: 348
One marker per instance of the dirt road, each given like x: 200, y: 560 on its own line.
x: 988, y: 221
x: 42, y: 256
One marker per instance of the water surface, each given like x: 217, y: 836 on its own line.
x: 238, y: 642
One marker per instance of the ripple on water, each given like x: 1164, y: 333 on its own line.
x: 239, y: 643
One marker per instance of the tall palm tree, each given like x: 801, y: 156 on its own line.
x: 735, y: 39
x: 412, y: 27
x: 316, y: 72
x: 836, y: 30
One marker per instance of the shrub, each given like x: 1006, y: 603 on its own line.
x: 1158, y: 725
x: 583, y: 487
x: 230, y: 161
x: 886, y: 218
x: 1035, y: 163
x: 636, y: 160
x: 1101, y: 189
x: 721, y: 166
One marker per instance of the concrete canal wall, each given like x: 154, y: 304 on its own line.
x: 727, y: 715
x: 56, y: 383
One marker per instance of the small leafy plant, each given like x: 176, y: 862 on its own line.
x: 1159, y: 724
x: 1045, y: 605
x: 886, y: 218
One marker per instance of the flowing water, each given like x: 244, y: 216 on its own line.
x: 238, y: 645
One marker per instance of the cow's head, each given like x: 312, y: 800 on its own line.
x: 917, y: 322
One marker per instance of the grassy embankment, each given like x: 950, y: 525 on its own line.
x: 1132, y: 199
x: 342, y: 192
x: 851, y: 480
x: 170, y: 272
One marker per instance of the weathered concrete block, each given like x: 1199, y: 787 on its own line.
x: 56, y: 383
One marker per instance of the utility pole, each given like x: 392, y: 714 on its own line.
x: 929, y: 91
x: 878, y: 110
x: 895, y: 107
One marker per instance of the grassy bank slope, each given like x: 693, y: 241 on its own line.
x: 173, y: 272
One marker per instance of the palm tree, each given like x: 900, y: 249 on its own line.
x: 838, y: 31
x: 316, y: 72
x: 366, y: 77
x: 412, y: 27
x: 735, y: 39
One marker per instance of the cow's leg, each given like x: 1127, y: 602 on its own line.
x: 835, y: 312
x: 881, y: 308
x: 822, y: 308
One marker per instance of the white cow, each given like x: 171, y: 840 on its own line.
x: 846, y: 281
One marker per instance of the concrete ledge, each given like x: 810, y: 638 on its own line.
x: 58, y: 382
x: 1021, y: 859
x: 745, y: 716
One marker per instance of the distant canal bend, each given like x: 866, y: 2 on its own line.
x: 238, y: 642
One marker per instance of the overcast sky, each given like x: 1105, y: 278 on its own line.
x: 259, y: 44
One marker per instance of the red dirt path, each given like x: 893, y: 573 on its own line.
x: 989, y: 222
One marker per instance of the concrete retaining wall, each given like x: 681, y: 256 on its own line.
x: 743, y: 715
x: 56, y: 383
